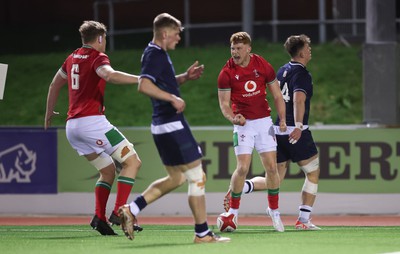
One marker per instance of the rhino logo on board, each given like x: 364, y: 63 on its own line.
x: 17, y: 163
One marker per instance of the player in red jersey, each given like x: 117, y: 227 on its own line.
x: 242, y: 85
x: 86, y: 72
x: 296, y: 144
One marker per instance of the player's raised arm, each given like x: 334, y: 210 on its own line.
x: 107, y: 73
x: 56, y: 84
x: 193, y: 72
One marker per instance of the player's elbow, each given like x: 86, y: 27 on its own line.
x: 140, y: 88
x: 108, y: 78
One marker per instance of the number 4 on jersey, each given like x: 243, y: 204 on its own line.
x: 285, y: 92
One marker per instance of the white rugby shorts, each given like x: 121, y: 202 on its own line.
x: 257, y: 133
x: 93, y: 134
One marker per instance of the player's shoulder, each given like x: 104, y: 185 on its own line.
x: 258, y: 58
x: 293, y: 68
x: 260, y: 61
x: 301, y: 72
x: 298, y: 67
x: 229, y: 65
x: 153, y: 51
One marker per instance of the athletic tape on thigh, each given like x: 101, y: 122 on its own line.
x: 311, y: 166
x: 196, y: 181
x: 124, y: 150
x: 102, y: 161
x: 310, y: 187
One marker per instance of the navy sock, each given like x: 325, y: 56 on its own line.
x: 141, y: 202
x: 201, y: 228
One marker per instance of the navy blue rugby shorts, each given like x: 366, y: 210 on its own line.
x: 304, y: 149
x: 178, y: 147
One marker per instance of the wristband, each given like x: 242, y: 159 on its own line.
x: 299, y: 125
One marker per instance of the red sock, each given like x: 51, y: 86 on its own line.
x: 102, y: 192
x: 273, y: 199
x: 234, y: 202
x: 124, y: 187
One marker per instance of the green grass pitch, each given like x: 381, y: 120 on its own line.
x: 157, y: 239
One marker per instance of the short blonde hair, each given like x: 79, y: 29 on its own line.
x: 165, y: 20
x: 91, y: 29
x: 240, y: 37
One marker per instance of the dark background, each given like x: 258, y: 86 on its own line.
x: 35, y: 26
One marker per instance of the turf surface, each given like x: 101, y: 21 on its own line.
x: 178, y: 239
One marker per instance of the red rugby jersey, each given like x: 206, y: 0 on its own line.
x: 248, y: 86
x: 85, y: 87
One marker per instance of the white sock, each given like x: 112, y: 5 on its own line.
x: 248, y: 187
x: 304, y: 213
x: 134, y: 208
x: 203, y: 234
x: 234, y: 211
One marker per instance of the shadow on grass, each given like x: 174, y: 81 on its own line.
x: 153, y: 245
x: 47, y: 238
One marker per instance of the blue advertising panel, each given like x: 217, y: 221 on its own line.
x: 28, y: 161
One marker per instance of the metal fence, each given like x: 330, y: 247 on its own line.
x: 346, y: 20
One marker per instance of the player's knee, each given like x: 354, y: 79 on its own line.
x: 310, y: 187
x: 311, y: 166
x: 196, y: 181
x: 314, y: 176
x: 124, y: 150
x: 271, y: 171
x: 102, y: 161
x: 134, y: 161
x: 107, y: 174
x: 242, y: 170
x: 181, y: 180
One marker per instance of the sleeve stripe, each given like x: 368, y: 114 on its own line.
x: 300, y: 90
x: 269, y: 83
x: 62, y: 73
x: 149, y: 77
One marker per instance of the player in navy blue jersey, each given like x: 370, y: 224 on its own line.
x: 296, y: 144
x: 176, y: 145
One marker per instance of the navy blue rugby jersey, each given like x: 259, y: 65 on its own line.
x: 293, y: 77
x: 157, y: 66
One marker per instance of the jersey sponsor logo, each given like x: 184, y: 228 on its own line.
x: 17, y: 163
x: 80, y: 56
x: 250, y: 87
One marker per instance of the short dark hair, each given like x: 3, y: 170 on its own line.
x: 295, y: 43
x: 165, y: 20
x: 90, y: 30
x: 240, y: 37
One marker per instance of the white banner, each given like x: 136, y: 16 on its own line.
x: 3, y: 75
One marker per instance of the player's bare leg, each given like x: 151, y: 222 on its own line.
x: 237, y: 181
x: 197, y: 202
x: 164, y: 185
x: 259, y: 183
x: 125, y: 181
x: 272, y: 180
x: 102, y: 192
x: 308, y: 194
